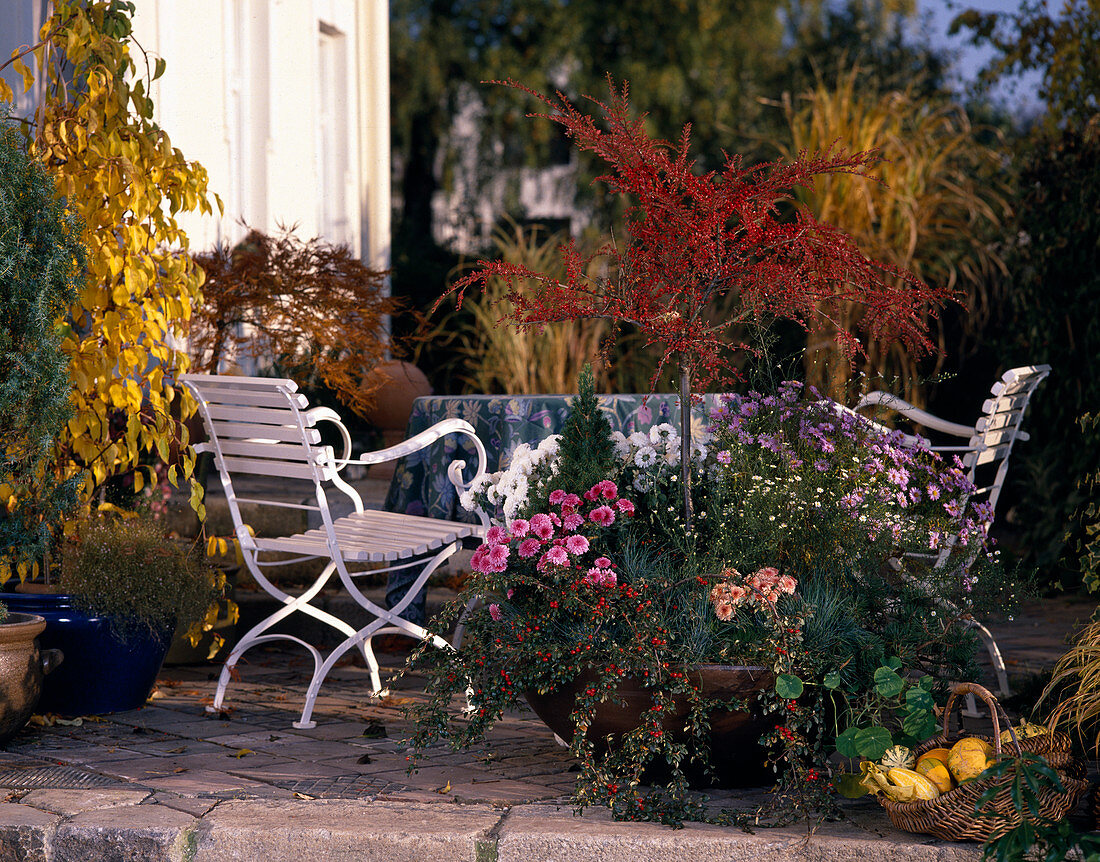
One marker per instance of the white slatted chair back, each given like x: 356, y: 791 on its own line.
x: 263, y: 426
x: 984, y: 456
x: 989, y: 441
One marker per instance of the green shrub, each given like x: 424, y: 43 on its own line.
x: 41, y: 264
x: 1055, y: 318
x: 128, y: 568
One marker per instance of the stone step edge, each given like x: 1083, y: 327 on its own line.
x: 280, y: 830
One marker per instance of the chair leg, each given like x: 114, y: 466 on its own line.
x: 972, y: 709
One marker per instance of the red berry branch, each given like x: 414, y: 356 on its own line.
x: 735, y: 234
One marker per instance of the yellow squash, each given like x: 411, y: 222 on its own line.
x: 921, y: 787
x: 969, y: 758
x: 937, y: 772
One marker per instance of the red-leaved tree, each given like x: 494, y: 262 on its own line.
x: 691, y: 239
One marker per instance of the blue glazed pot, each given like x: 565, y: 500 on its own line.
x: 102, y: 672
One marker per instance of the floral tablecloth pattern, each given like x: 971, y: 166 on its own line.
x: 420, y: 485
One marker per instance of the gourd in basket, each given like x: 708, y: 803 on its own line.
x: 974, y: 761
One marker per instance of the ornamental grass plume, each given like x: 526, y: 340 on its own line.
x: 736, y: 234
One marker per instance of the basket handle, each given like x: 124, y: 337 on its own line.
x: 962, y: 688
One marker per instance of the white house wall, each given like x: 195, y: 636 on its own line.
x: 244, y: 94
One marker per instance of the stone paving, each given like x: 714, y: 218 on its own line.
x: 171, y: 782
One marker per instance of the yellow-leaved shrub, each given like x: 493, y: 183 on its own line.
x: 93, y: 129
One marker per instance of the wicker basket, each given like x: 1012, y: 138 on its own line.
x: 951, y: 815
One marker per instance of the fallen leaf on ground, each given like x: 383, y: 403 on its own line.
x: 446, y: 788
x: 244, y: 752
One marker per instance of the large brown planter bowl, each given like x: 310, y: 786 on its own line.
x: 735, y: 753
x: 21, y: 670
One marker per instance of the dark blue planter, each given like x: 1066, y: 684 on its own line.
x: 101, y: 672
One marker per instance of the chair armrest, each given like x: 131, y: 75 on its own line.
x: 912, y: 441
x: 421, y: 441
x: 915, y: 414
x: 327, y: 414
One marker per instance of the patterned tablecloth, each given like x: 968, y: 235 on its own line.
x: 420, y: 485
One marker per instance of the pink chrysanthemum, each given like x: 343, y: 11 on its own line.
x: 520, y: 528
x: 529, y: 547
x: 496, y: 535
x: 542, y: 526
x: 556, y: 556
x: 576, y: 544
x: 602, y: 516
x: 498, y: 557
x: 572, y: 521
x: 556, y: 496
x: 625, y: 506
x: 494, y: 612
x: 602, y: 563
x: 608, y: 489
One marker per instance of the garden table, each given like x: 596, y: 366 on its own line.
x: 502, y: 422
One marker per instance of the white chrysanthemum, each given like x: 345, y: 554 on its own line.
x: 466, y: 501
x: 621, y: 444
x: 645, y: 457
x: 550, y: 445
x: 638, y: 439
x: 643, y: 482
x: 672, y: 456
x: 659, y: 432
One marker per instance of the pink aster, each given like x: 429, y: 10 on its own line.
x: 602, y: 563
x: 571, y: 500
x: 602, y: 516
x: 608, y: 489
x: 625, y: 506
x: 494, y: 612
x: 542, y: 526
x: 496, y: 535
x: 529, y: 547
x: 609, y: 579
x: 576, y: 544
x: 520, y: 528
x: 556, y: 496
x: 592, y: 494
x: 555, y: 556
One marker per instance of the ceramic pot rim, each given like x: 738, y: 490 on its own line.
x: 18, y: 627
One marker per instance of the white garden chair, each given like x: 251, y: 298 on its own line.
x: 262, y: 427
x: 985, y: 453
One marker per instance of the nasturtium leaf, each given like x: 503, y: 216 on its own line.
x: 873, y: 742
x: 832, y: 680
x: 848, y: 786
x: 788, y: 686
x: 888, y: 683
x: 846, y: 743
x: 918, y: 698
x: 894, y: 663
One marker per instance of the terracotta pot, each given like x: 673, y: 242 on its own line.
x: 22, y: 667
x: 735, y: 754
x: 403, y: 384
